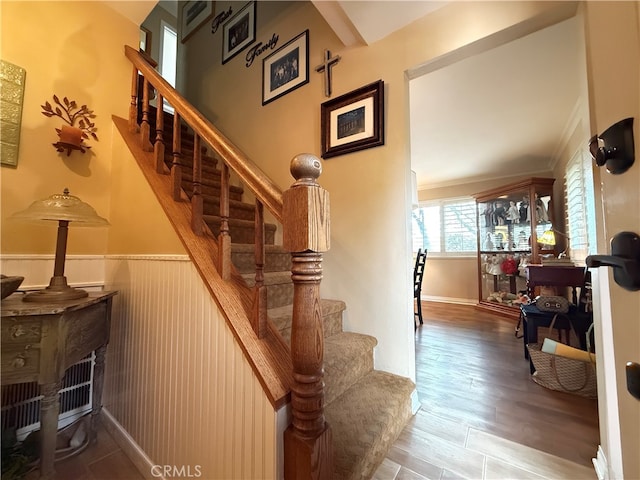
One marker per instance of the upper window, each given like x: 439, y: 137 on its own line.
x: 168, y: 56
x: 446, y: 227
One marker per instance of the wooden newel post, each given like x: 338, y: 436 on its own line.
x: 308, y: 447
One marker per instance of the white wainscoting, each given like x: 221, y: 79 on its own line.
x: 177, y: 380
x: 80, y: 270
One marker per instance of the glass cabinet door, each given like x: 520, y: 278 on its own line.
x: 505, y: 234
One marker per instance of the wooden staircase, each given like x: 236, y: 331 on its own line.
x: 365, y: 410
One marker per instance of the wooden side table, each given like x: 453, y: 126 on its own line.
x: 40, y: 341
x: 555, y: 276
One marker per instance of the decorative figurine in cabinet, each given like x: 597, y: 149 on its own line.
x: 510, y: 220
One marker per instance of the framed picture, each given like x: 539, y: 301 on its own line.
x: 239, y: 32
x: 145, y: 40
x: 354, y: 121
x: 194, y: 14
x: 286, y: 69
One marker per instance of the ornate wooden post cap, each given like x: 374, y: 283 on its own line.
x: 305, y: 208
x: 305, y: 168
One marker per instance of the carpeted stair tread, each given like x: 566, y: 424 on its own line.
x: 331, y: 317
x: 277, y: 259
x: 348, y: 357
x: 241, y: 231
x: 279, y: 287
x: 270, y: 278
x: 366, y: 420
x: 237, y: 209
x: 211, y: 186
x: 250, y: 247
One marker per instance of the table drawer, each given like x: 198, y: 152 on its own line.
x: 20, y: 363
x: 20, y: 330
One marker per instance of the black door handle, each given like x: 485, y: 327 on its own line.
x: 633, y: 379
x: 624, y: 258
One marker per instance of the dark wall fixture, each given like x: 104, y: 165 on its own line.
x: 614, y: 147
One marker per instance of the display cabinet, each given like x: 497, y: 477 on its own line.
x: 511, y: 219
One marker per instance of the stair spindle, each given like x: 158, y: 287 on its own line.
x: 196, y: 196
x: 307, y: 441
x: 133, y: 106
x: 224, y: 239
x: 259, y: 317
x: 158, y: 146
x: 176, y: 167
x: 145, y: 128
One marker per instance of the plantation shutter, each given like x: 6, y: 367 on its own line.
x: 459, y: 220
x: 579, y: 206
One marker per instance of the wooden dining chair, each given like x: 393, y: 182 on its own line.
x: 418, y: 272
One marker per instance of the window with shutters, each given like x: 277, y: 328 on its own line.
x: 446, y: 227
x: 580, y: 206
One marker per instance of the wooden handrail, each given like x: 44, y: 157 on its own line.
x: 250, y: 175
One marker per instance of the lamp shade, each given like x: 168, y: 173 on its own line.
x: 62, y: 207
x: 547, y: 238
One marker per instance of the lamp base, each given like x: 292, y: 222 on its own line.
x: 57, y: 291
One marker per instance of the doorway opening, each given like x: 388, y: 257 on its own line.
x: 512, y: 111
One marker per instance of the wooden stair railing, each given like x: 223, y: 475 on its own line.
x: 303, y: 211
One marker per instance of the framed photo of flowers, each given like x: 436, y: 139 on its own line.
x: 286, y: 69
x: 239, y: 32
x: 353, y: 121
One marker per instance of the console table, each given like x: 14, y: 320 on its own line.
x: 40, y: 341
x: 555, y: 276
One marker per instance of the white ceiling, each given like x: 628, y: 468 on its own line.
x: 499, y: 113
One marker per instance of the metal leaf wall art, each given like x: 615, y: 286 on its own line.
x: 79, y: 124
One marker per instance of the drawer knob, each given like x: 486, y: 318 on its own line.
x: 18, y: 361
x: 17, y: 331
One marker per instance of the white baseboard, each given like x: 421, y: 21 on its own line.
x: 129, y: 446
x: 601, y: 465
x: 415, y: 402
x: 459, y: 301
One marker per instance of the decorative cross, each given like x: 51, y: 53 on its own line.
x: 326, y: 67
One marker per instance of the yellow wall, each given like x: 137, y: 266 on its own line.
x: 139, y: 224
x: 77, y: 50
x: 370, y: 190
x: 67, y: 49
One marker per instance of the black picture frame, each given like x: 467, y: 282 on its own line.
x: 194, y: 15
x: 286, y: 69
x: 239, y: 32
x: 353, y: 121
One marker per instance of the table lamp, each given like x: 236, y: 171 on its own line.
x: 64, y: 209
x: 549, y: 238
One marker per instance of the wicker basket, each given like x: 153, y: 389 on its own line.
x: 564, y: 374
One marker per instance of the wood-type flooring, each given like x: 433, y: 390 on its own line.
x: 481, y: 414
